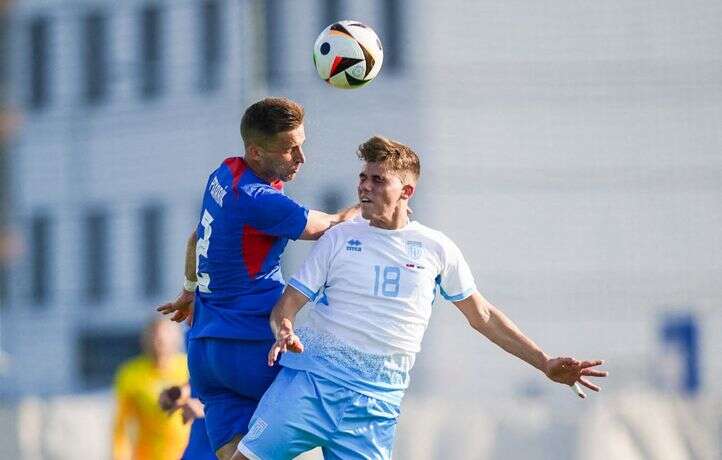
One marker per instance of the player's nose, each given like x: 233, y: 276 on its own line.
x: 299, y: 156
x: 363, y: 186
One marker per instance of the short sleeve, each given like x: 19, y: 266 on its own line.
x: 455, y: 280
x: 123, y: 380
x: 311, y: 277
x: 274, y: 213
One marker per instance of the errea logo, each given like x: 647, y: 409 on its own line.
x: 353, y: 245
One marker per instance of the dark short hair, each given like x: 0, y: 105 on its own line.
x: 393, y: 155
x: 268, y: 117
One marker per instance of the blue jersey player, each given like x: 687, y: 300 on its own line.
x: 245, y: 224
x: 373, y: 282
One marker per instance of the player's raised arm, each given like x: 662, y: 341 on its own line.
x: 282, y: 317
x: 319, y: 221
x: 497, y: 327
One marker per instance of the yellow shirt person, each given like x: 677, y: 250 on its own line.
x: 142, y: 431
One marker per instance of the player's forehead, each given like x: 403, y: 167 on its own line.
x: 371, y: 169
x: 289, y: 139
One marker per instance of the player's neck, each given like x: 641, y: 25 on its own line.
x: 399, y: 219
x: 160, y: 362
x: 258, y: 170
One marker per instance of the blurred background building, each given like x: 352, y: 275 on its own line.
x: 572, y: 150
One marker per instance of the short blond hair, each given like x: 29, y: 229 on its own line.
x: 393, y: 155
x: 268, y: 117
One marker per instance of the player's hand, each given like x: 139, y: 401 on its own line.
x: 192, y: 410
x: 569, y: 371
x: 287, y: 341
x: 173, y: 398
x: 181, y: 307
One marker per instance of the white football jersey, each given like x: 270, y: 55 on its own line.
x: 373, y: 289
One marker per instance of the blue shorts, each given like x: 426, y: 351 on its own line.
x: 229, y: 376
x: 199, y: 448
x: 301, y: 411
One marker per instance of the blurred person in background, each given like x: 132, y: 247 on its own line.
x: 141, y: 429
x: 233, y: 273
x: 181, y: 398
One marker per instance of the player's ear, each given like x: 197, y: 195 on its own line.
x: 252, y: 151
x: 407, y: 191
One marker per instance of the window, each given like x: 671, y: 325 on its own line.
x: 6, y: 241
x: 95, y: 246
x: 101, y: 352
x: 210, y: 45
x: 39, y: 63
x: 40, y: 259
x: 151, y: 240
x: 330, y: 14
x: 4, y: 48
x: 95, y: 45
x: 150, y: 52
x: 274, y: 45
x: 392, y: 38
x: 4, y: 285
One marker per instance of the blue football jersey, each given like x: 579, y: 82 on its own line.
x: 245, y: 224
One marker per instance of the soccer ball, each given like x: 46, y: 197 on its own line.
x: 348, y: 54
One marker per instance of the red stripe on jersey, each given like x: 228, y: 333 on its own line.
x: 237, y: 167
x: 278, y: 185
x: 255, y: 246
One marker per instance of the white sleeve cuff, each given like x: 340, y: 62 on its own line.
x: 189, y: 285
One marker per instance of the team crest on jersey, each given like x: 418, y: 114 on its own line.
x: 414, y: 249
x: 353, y: 245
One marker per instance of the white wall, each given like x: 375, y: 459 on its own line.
x: 582, y: 141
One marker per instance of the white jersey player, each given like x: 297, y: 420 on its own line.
x: 371, y: 282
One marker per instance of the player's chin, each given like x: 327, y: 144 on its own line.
x: 290, y: 176
x: 366, y: 212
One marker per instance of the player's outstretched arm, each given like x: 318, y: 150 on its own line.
x: 318, y: 221
x: 497, y: 327
x: 182, y: 306
x: 282, y: 317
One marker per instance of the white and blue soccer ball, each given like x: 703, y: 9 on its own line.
x: 348, y: 54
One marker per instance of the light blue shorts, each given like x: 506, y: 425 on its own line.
x: 301, y: 411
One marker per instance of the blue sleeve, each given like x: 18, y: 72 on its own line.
x: 274, y: 213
